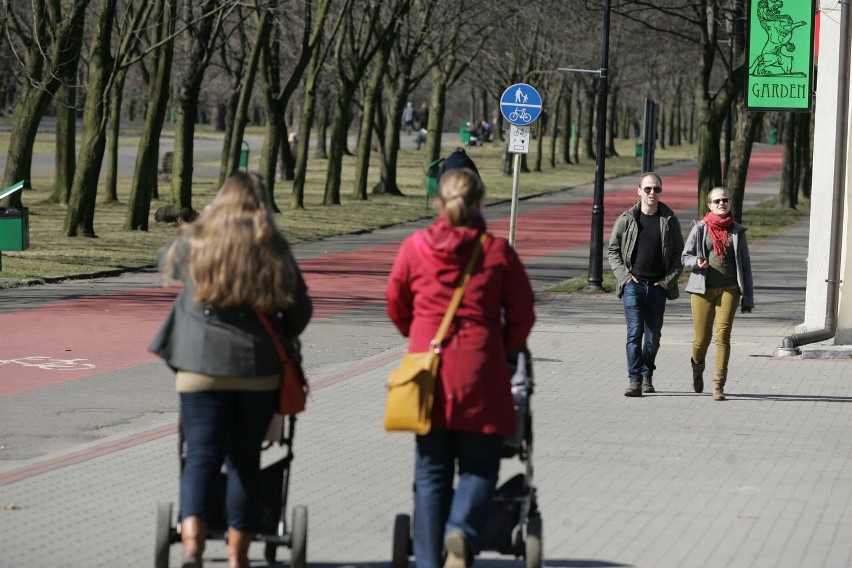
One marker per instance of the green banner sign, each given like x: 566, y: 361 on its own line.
x: 780, y: 55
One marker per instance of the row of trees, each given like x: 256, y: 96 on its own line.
x: 331, y: 66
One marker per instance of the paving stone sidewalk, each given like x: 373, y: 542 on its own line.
x: 672, y: 479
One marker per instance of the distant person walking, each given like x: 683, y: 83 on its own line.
x: 232, y: 262
x: 473, y: 409
x: 717, y: 252
x: 408, y: 117
x: 423, y: 116
x: 644, y: 253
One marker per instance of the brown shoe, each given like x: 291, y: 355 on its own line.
x: 697, y: 376
x: 720, y: 377
x: 238, y: 545
x: 647, y: 385
x: 192, y: 534
x: 459, y: 554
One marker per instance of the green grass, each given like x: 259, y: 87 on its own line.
x: 52, y: 254
x: 762, y: 221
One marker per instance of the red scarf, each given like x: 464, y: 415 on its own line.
x: 719, y: 228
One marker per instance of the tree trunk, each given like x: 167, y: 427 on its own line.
x: 145, y: 177
x: 276, y: 129
x: 396, y: 102
x: 588, y: 144
x: 554, y: 129
x: 238, y: 125
x: 306, y: 123
x: 805, y: 156
x: 787, y: 191
x: 612, y: 118
x: 567, y: 103
x: 745, y: 129
x: 372, y: 97
x: 81, y: 205
x: 337, y: 147
x: 321, y: 150
x: 111, y: 190
x: 437, y: 110
x: 66, y: 142
x: 198, y: 50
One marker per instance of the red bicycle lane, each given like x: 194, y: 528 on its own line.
x: 73, y: 339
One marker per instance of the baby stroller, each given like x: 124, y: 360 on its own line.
x: 514, y: 524
x: 274, y: 530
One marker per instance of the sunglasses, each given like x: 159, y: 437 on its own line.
x: 655, y: 189
x: 721, y: 200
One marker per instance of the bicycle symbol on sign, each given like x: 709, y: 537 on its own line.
x: 520, y: 115
x: 49, y: 363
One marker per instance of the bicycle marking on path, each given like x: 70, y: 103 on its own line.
x: 49, y: 363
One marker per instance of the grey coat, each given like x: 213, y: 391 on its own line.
x: 232, y: 341
x: 696, y: 248
x: 625, y: 232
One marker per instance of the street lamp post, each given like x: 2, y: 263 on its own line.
x: 596, y: 242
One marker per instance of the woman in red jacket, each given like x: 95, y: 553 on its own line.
x: 473, y: 409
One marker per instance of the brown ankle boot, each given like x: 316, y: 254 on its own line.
x: 697, y: 376
x: 238, y: 545
x: 719, y: 378
x: 192, y: 534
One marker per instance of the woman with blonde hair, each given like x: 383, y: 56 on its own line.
x: 473, y: 407
x: 233, y: 263
x: 717, y: 252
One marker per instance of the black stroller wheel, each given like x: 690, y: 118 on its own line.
x: 269, y: 551
x: 533, y: 546
x: 299, y: 537
x: 163, y: 536
x: 401, y: 541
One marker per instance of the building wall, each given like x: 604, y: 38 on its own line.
x: 823, y: 187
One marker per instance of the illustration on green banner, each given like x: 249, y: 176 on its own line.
x: 780, y: 55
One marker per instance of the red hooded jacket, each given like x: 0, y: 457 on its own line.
x: 473, y: 393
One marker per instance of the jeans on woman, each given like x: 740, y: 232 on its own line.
x: 224, y: 426
x: 719, y: 306
x: 437, y: 509
x: 644, y: 308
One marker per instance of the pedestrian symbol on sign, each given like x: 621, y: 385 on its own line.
x: 520, y: 104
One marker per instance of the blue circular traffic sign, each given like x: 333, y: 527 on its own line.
x: 520, y: 104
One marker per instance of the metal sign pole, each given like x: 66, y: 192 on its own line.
x: 513, y: 215
x: 521, y: 105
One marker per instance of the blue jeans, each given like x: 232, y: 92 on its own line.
x: 224, y: 426
x: 437, y: 509
x: 644, y: 308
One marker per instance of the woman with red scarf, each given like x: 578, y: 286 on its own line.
x: 717, y: 252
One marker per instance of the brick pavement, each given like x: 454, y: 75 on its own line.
x: 669, y: 480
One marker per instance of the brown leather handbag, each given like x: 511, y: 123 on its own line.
x: 293, y: 392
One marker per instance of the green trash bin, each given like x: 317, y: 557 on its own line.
x: 638, y: 147
x: 432, y: 179
x: 464, y: 133
x: 244, y: 153
x: 14, y: 229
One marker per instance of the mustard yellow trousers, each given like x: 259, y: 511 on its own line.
x: 716, y: 305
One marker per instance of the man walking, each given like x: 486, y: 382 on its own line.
x: 644, y: 252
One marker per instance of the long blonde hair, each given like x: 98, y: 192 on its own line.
x: 460, y: 190
x: 236, y: 256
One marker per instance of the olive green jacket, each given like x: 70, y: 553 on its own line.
x: 625, y: 232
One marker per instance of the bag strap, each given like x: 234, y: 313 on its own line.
x: 457, y: 295
x: 276, y: 341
